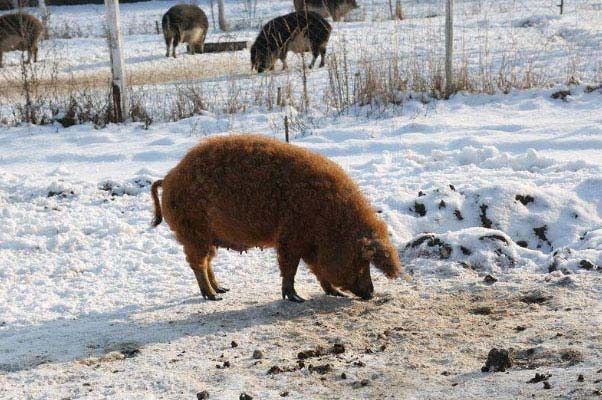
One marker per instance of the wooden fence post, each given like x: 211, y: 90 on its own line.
x: 45, y: 17
x: 221, y: 16
x: 115, y: 40
x: 449, y: 47
x: 398, y: 10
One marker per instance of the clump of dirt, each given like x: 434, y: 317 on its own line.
x: 320, y: 369
x: 63, y: 194
x: 482, y: 310
x: 465, y: 250
x: 204, y: 395
x: 115, y: 352
x: 541, y: 234
x: 590, y: 88
x: 245, y: 396
x: 489, y: 279
x: 536, y: 297
x: 458, y: 215
x: 274, y: 370
x: 233, y: 344
x: 539, y: 378
x: 537, y: 357
x: 419, y: 209
x: 257, y: 354
x: 524, y: 199
x: 494, y: 237
x: 360, y: 384
x: 337, y: 348
x: 132, y: 187
x: 128, y: 349
x: 485, y: 221
x: 444, y: 249
x: 522, y: 243
x: 498, y: 360
x: 587, y: 265
x: 442, y: 204
x: 561, y: 94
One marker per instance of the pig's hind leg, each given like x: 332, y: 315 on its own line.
x: 211, y: 275
x: 315, y: 52
x: 198, y: 257
x: 288, y: 263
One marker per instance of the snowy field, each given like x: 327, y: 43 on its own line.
x: 523, y: 40
x: 493, y: 201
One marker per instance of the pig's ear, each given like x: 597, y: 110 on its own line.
x: 367, y: 248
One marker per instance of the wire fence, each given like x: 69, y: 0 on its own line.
x: 375, y: 58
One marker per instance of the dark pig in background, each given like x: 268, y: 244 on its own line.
x: 185, y: 23
x: 336, y: 9
x: 298, y: 32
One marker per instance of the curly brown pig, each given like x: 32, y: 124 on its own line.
x: 248, y: 191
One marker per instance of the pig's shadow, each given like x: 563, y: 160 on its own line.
x: 65, y: 340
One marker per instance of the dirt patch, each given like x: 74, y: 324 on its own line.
x: 485, y: 221
x: 535, y: 297
x: 419, y: 209
x: 436, y: 246
x: 524, y: 199
x: 499, y: 238
x: 337, y: 348
x: 458, y: 215
x: 498, y: 360
x: 536, y: 357
x: 539, y: 378
x: 561, y: 94
x: 541, y: 234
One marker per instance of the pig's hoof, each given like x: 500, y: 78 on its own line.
x: 210, y: 296
x: 222, y: 290
x: 336, y: 293
x: 292, y: 295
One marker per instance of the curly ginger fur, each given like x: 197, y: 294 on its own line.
x: 246, y: 191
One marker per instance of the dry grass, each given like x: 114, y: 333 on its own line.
x: 64, y: 82
x: 360, y: 77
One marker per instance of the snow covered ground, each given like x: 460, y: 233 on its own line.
x: 516, y: 39
x: 494, y: 202
x: 96, y: 304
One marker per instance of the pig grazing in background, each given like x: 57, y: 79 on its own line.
x: 336, y: 9
x: 20, y: 31
x: 248, y: 191
x: 298, y: 32
x: 184, y: 23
